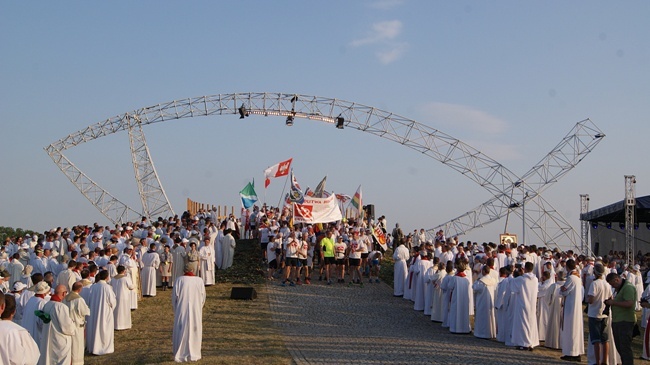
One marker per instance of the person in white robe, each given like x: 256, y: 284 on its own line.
x: 428, y: 285
x: 15, y: 269
x: 436, y: 302
x: 446, y: 286
x: 228, y: 249
x: 68, y: 276
x: 218, y: 245
x: 400, y: 269
x: 420, y: 282
x: 122, y: 287
x: 524, y: 323
x: 129, y: 261
x: 408, y: 282
x: 543, y: 304
x: 485, y: 325
x: 572, y: 329
x: 188, y: 298
x: 56, y: 340
x: 31, y: 322
x: 16, y: 344
x: 78, y: 312
x: 100, y: 327
x: 206, y: 270
x: 502, y: 303
x: 150, y: 264
x: 179, y: 253
x: 555, y: 300
x: 461, y: 306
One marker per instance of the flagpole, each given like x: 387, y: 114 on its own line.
x: 283, y: 189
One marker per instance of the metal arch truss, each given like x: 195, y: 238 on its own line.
x: 478, y: 167
x: 545, y: 222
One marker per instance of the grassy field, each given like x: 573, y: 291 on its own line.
x: 234, y: 331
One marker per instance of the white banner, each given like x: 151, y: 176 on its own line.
x: 317, y: 210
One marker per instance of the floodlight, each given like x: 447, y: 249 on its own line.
x: 594, y: 225
x: 609, y: 225
x: 289, y: 121
x: 339, y: 122
x: 242, y: 112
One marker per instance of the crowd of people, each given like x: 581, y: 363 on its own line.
x: 524, y: 296
x: 65, y: 292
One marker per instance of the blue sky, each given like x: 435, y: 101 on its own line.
x: 509, y: 78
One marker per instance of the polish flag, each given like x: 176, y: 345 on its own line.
x: 277, y: 170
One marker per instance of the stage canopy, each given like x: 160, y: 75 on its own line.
x: 616, y: 212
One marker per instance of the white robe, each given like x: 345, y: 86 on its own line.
x: 15, y: 268
x: 552, y: 338
x: 188, y: 298
x: 122, y: 287
x: 150, y: 263
x: 485, y: 325
x: 400, y: 270
x: 56, y: 340
x: 78, y: 312
x: 218, y: 255
x: 461, y: 306
x: 543, y: 307
x: 67, y: 278
x: 100, y: 328
x: 179, y: 255
x: 502, y: 303
x: 18, y: 347
x: 436, y: 302
x: 30, y: 322
x: 206, y: 268
x: 572, y: 338
x: 409, y: 282
x: 447, y: 285
x: 524, y: 323
x: 429, y: 275
x: 421, y: 268
x: 227, y: 251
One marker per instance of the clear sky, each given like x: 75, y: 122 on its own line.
x: 509, y: 78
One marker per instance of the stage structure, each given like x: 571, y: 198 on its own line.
x: 547, y: 224
x: 506, y: 187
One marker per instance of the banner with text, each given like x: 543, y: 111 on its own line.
x: 317, y: 210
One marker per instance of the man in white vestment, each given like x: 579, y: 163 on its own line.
x: 16, y: 344
x: 56, y: 340
x: 543, y: 304
x: 122, y: 287
x: 572, y: 333
x: 524, y: 323
x: 78, y: 312
x: 420, y: 281
x: 436, y: 302
x: 429, y: 277
x: 461, y: 306
x: 446, y: 286
x: 502, y: 303
x: 188, y: 298
x: 68, y: 276
x: 409, y: 281
x: 206, y: 268
x: 129, y: 261
x: 400, y: 271
x: 150, y: 264
x: 485, y: 325
x: 553, y: 327
x: 15, y: 269
x: 100, y: 328
x: 32, y: 323
x: 227, y: 249
x: 179, y: 253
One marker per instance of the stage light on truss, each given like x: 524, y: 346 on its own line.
x: 594, y: 225
x: 339, y: 122
x: 636, y: 226
x: 242, y: 112
x: 647, y: 225
x: 599, y: 135
x: 621, y: 225
x: 289, y: 121
x: 609, y: 225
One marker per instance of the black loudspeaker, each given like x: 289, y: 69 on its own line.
x: 370, y: 211
x: 246, y: 293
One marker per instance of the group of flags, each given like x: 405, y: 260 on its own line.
x: 296, y: 195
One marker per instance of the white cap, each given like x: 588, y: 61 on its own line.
x: 18, y: 286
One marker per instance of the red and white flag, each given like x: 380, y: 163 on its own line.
x: 277, y: 170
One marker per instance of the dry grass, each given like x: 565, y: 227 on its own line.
x: 234, y: 331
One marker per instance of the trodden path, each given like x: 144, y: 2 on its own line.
x: 337, y: 324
